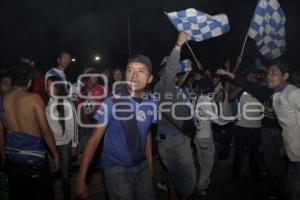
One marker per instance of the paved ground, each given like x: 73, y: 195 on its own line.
x: 222, y: 187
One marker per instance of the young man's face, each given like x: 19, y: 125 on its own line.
x: 64, y: 60
x: 252, y: 77
x: 275, y: 78
x: 117, y: 75
x: 5, y: 85
x: 92, y: 81
x: 139, y: 75
x: 197, y: 76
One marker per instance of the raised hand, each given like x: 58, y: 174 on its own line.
x: 181, y: 39
x: 221, y: 72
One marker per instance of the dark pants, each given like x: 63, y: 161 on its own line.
x: 64, y: 161
x: 29, y: 182
x: 293, y: 181
x: 129, y: 183
x: 223, y: 138
x: 275, y: 165
x: 249, y: 138
x: 3, y: 185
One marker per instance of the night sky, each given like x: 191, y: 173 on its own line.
x: 90, y: 27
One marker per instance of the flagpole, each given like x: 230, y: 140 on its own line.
x: 194, y: 56
x: 244, y: 45
x: 239, y: 60
x: 243, y: 48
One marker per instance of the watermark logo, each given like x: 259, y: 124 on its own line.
x: 127, y: 110
x: 81, y: 79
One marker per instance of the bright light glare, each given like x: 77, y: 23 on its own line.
x: 97, y: 58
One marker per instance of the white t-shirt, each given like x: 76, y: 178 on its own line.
x: 71, y: 129
x: 206, y: 112
x: 250, y: 112
x: 286, y: 105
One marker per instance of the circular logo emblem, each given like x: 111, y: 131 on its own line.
x: 89, y: 107
x: 141, y: 116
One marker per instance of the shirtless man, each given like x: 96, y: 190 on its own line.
x: 26, y: 129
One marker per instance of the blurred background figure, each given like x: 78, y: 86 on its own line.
x: 5, y: 82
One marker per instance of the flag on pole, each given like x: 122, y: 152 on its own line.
x: 267, y: 28
x: 185, y: 65
x: 198, y: 25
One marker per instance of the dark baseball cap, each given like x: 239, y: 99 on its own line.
x: 141, y: 59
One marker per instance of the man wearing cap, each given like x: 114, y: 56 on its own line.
x: 124, y: 121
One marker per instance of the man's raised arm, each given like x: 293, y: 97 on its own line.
x: 261, y: 93
x: 169, y: 77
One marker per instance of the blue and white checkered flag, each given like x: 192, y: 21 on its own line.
x: 198, y: 25
x: 267, y: 28
x: 185, y: 65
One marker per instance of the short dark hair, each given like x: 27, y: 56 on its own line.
x: 281, y: 65
x: 90, y: 70
x: 117, y: 68
x: 21, y: 74
x: 61, y: 52
x: 248, y: 71
x: 4, y: 75
x: 29, y: 56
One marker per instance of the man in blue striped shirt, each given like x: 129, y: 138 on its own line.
x: 124, y: 122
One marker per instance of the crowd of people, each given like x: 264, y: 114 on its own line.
x: 118, y: 119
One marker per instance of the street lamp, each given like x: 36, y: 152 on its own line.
x: 97, y: 58
x: 73, y: 59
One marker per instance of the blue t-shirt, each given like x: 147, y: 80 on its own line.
x: 116, y: 150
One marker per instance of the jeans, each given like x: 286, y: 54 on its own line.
x: 176, y: 154
x: 64, y: 160
x: 83, y: 136
x: 205, y: 154
x: 293, y: 181
x: 29, y: 181
x: 250, y: 138
x: 128, y: 183
x: 275, y: 165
